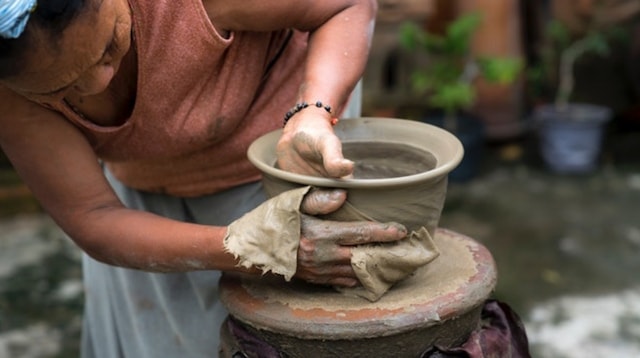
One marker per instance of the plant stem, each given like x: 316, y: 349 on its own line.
x: 567, y: 62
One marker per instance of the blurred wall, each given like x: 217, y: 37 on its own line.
x: 500, y: 34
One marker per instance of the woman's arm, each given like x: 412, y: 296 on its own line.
x: 340, y: 38
x: 60, y: 168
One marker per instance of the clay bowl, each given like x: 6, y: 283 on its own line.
x: 401, y: 169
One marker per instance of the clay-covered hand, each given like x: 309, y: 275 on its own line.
x: 324, y: 254
x: 284, y: 236
x: 309, y: 146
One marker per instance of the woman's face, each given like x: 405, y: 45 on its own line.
x: 84, y: 61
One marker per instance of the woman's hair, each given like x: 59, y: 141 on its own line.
x: 50, y: 17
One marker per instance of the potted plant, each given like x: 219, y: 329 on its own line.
x: 445, y: 80
x: 570, y: 133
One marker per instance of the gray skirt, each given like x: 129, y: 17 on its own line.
x: 131, y: 313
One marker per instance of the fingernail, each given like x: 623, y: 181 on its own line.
x: 398, y: 227
x: 336, y: 194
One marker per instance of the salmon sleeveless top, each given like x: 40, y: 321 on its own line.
x: 201, y: 100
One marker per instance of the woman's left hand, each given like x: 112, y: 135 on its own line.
x: 309, y: 146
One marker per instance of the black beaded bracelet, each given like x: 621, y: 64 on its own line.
x: 302, y: 105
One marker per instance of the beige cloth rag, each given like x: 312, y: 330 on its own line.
x: 268, y: 238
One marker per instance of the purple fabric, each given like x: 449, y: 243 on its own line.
x: 501, y: 335
x: 252, y: 346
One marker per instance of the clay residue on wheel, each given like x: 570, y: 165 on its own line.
x: 446, y: 274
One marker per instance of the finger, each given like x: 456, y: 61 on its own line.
x: 308, y: 146
x: 311, y: 255
x: 292, y: 162
x: 342, y: 254
x: 342, y: 275
x: 358, y: 233
x: 350, y: 233
x: 325, y: 272
x: 345, y: 282
x: 300, y: 155
x: 323, y: 201
x: 335, y: 165
x: 335, y: 281
x: 329, y: 255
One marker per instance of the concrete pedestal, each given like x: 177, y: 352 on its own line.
x: 439, y: 305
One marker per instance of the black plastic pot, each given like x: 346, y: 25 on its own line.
x: 571, y: 137
x: 470, y: 130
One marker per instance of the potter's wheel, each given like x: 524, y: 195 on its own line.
x: 440, y: 304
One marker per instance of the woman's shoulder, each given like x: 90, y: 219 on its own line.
x: 12, y: 104
x: 18, y: 110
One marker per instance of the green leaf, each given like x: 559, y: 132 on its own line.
x: 413, y: 38
x: 558, y: 32
x: 441, y: 78
x: 409, y: 35
x: 500, y: 70
x: 421, y: 82
x: 453, y: 97
x: 460, y: 31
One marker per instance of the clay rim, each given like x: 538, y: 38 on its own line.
x: 258, y: 157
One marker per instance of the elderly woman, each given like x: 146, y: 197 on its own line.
x: 129, y: 121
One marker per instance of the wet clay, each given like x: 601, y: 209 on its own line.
x: 447, y: 273
x: 379, y: 160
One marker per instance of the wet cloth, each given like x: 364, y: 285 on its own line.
x: 245, y: 237
x: 501, y: 335
x: 130, y: 313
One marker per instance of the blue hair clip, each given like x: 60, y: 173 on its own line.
x: 14, y: 15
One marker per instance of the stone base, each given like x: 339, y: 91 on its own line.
x: 439, y: 305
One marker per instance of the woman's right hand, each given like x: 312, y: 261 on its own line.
x: 324, y: 253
